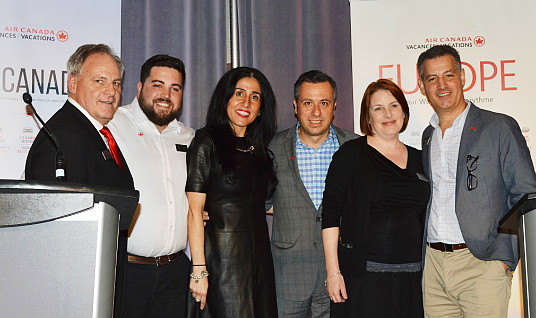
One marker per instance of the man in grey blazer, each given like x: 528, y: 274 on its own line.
x: 479, y: 166
x: 301, y: 159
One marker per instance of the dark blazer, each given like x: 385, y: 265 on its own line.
x: 296, y: 231
x: 505, y: 173
x: 82, y: 147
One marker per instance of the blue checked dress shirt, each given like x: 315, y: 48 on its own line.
x: 313, y: 164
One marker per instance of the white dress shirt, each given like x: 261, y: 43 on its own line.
x: 157, y: 162
x: 443, y: 223
x: 92, y: 120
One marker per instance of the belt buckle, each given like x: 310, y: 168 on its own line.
x: 162, y: 260
x: 447, y: 248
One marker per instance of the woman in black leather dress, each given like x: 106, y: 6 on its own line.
x: 230, y: 176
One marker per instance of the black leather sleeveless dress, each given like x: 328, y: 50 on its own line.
x: 237, y: 249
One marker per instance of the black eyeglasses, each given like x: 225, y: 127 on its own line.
x: 472, y: 180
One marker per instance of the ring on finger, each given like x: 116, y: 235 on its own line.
x: 197, y: 300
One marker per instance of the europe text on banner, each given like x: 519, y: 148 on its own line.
x: 494, y: 39
x: 37, y: 38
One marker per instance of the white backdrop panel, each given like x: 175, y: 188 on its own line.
x: 37, y: 38
x: 494, y: 39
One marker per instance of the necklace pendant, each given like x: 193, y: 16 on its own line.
x: 249, y: 149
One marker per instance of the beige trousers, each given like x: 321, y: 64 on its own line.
x: 458, y: 285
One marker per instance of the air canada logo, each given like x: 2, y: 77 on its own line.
x: 31, y: 33
x: 480, y: 41
x: 62, y: 36
x: 457, y: 41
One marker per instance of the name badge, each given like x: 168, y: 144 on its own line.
x: 107, y: 154
x: 422, y: 177
x: 181, y: 148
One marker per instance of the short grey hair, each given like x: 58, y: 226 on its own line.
x: 79, y: 57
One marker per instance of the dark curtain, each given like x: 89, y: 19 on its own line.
x: 193, y: 31
x: 286, y: 38
x: 281, y: 38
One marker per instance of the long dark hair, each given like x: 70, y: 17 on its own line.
x: 258, y: 133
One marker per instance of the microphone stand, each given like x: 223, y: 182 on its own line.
x: 60, y: 160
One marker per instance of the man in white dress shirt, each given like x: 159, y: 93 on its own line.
x: 479, y: 166
x: 154, y: 145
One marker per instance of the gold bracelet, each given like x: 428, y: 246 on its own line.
x: 326, y: 281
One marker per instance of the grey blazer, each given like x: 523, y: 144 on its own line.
x: 505, y: 173
x: 296, y: 233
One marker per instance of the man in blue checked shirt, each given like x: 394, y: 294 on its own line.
x: 302, y: 155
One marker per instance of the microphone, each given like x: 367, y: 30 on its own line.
x: 60, y: 160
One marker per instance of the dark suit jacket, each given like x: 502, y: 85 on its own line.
x: 296, y: 232
x: 82, y: 147
x: 505, y: 173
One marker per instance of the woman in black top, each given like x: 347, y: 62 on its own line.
x: 230, y: 176
x: 376, y: 194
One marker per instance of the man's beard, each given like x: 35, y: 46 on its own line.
x: 159, y: 119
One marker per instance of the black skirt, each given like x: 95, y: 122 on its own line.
x: 382, y: 295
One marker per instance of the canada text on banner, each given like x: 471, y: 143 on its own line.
x: 37, y: 38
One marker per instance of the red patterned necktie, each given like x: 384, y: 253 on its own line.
x: 112, y: 145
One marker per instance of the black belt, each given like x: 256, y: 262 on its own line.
x: 158, y: 261
x: 443, y: 247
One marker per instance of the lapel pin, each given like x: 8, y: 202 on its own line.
x: 140, y: 133
x: 291, y: 158
x: 473, y: 128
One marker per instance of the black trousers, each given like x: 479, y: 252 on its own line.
x: 157, y: 291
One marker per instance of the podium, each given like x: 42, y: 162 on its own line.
x: 521, y: 219
x: 58, y: 247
